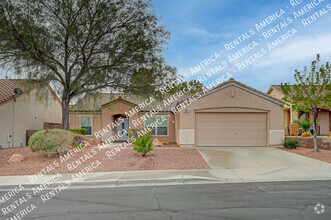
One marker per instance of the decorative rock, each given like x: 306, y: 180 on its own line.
x: 157, y: 142
x: 16, y: 158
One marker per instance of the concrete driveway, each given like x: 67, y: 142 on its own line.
x: 262, y: 164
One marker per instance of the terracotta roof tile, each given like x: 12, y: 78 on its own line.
x: 7, y: 87
x: 94, y: 103
x: 239, y: 83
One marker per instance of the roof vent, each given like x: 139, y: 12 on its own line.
x: 18, y: 91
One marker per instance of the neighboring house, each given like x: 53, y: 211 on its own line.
x: 231, y: 114
x: 324, y: 115
x: 21, y: 112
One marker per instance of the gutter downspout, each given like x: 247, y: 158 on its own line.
x: 12, y: 136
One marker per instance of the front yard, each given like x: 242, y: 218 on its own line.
x: 323, y: 155
x: 161, y: 158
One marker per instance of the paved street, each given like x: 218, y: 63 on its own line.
x: 272, y: 200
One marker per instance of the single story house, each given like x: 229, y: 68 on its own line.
x: 230, y: 114
x: 21, y: 112
x: 289, y: 116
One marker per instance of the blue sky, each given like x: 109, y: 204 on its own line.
x: 200, y: 28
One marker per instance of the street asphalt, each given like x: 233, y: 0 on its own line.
x: 262, y: 200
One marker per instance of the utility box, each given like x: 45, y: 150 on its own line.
x: 9, y: 138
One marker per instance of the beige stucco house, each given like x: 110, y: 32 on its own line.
x: 231, y: 114
x: 21, y: 111
x: 289, y: 116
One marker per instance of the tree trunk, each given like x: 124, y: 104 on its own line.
x: 315, y: 130
x: 65, y: 110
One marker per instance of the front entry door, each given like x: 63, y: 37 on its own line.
x: 122, y: 129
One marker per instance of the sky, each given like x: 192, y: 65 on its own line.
x: 201, y: 28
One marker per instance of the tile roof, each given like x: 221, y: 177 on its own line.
x: 95, y: 102
x: 7, y: 87
x: 279, y: 88
x: 238, y: 83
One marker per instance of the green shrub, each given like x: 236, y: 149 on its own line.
x: 291, y: 143
x: 305, y: 125
x: 78, y: 131
x: 143, y: 145
x: 52, y: 142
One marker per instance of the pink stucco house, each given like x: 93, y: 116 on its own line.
x: 230, y: 114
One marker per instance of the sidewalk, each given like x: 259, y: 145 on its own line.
x: 173, y: 177
x: 228, y: 165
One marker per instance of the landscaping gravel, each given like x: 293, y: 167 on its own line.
x: 125, y: 160
x: 323, y: 155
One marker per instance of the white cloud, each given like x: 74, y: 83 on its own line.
x: 203, y: 33
x: 299, y: 49
x: 209, y: 35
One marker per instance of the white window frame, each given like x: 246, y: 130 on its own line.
x: 156, y: 135
x: 80, y: 122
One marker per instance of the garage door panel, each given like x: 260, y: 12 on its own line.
x: 231, y: 129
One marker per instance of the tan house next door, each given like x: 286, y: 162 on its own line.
x: 231, y: 129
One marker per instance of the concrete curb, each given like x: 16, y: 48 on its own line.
x: 118, y: 183
x: 151, y: 182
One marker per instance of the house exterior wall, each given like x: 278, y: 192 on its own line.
x: 232, y: 99
x: 171, y: 137
x: 177, y: 126
x: 286, y: 120
x: 27, y: 114
x: 279, y: 95
x: 324, y: 116
x: 106, y: 116
x: 276, y: 93
x: 74, y: 121
x: 108, y: 113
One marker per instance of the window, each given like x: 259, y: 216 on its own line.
x: 148, y: 123
x: 87, y: 124
x: 160, y: 126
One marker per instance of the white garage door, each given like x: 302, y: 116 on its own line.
x: 231, y: 129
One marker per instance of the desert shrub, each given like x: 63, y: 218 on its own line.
x: 78, y: 131
x: 305, y: 125
x: 143, y: 145
x: 291, y: 143
x: 165, y: 143
x: 306, y: 134
x: 80, y: 139
x: 53, y: 142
